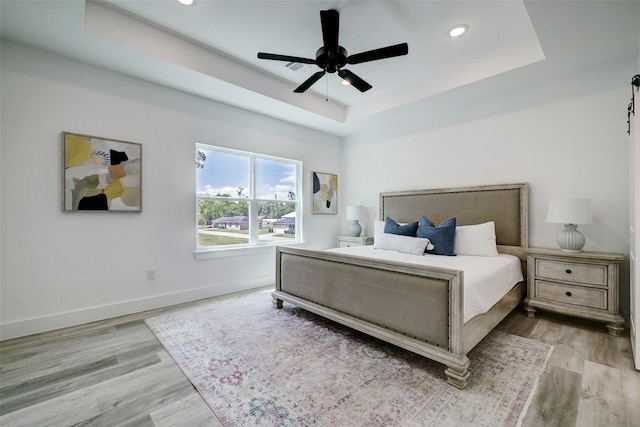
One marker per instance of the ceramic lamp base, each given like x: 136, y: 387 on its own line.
x: 356, y: 228
x: 570, y: 239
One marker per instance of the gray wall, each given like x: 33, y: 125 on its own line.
x: 566, y: 137
x: 60, y: 268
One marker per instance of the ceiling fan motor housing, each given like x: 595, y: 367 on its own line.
x: 331, y: 61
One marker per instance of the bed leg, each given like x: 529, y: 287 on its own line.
x: 458, y: 376
x: 277, y: 303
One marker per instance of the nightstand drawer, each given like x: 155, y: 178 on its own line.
x: 343, y: 244
x: 572, y: 272
x: 576, y: 295
x: 348, y: 241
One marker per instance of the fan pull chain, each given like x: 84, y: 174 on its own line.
x: 327, y: 79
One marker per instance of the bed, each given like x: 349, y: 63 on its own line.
x: 416, y: 307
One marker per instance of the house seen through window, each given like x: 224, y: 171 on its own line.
x: 245, y: 198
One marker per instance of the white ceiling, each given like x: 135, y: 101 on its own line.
x: 210, y: 48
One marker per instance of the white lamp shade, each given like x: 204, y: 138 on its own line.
x: 570, y: 211
x: 355, y: 212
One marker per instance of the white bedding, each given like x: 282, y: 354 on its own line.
x: 486, y: 278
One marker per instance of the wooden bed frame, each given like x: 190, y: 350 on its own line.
x: 414, y: 307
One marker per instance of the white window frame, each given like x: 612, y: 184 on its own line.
x: 254, y: 242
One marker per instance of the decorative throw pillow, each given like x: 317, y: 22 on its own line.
x: 392, y: 227
x: 478, y: 239
x: 400, y: 243
x: 442, y: 237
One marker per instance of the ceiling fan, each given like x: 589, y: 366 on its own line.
x: 331, y: 57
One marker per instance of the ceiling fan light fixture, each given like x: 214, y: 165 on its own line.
x: 186, y: 2
x: 458, y: 30
x: 346, y: 82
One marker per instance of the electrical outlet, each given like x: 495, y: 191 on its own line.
x: 151, y: 275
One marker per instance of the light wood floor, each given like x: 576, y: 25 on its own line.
x: 115, y: 373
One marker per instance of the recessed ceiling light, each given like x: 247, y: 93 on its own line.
x: 186, y: 2
x: 458, y: 30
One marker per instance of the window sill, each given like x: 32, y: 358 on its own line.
x: 204, y: 254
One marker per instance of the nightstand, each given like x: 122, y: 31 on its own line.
x: 346, y: 241
x: 584, y: 284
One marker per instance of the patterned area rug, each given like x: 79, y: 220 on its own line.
x: 255, y: 365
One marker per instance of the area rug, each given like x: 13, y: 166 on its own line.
x: 256, y: 365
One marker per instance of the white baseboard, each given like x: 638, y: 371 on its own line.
x: 92, y: 314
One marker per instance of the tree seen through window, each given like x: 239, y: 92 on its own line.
x: 245, y: 198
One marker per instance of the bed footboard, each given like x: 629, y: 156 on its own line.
x: 415, y: 307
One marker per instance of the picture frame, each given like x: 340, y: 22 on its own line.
x: 100, y: 174
x: 324, y: 193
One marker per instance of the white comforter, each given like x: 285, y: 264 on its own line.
x: 486, y: 278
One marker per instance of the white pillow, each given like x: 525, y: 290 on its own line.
x: 479, y: 239
x: 395, y: 242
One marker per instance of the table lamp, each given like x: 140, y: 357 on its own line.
x: 570, y: 212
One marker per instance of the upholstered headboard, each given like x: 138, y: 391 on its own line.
x: 506, y: 205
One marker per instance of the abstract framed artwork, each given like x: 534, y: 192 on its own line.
x: 101, y: 174
x: 325, y: 193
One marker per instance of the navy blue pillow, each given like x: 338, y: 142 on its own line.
x: 442, y: 237
x: 392, y: 227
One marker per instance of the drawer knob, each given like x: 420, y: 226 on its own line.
x: 568, y: 293
x: 568, y: 271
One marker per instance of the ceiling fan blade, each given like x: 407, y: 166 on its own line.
x: 310, y: 81
x: 276, y: 57
x: 382, y: 53
x: 354, y: 80
x: 330, y: 20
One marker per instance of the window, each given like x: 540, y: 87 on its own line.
x: 245, y: 199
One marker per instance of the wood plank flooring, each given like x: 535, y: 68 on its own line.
x: 590, y: 379
x: 116, y: 373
